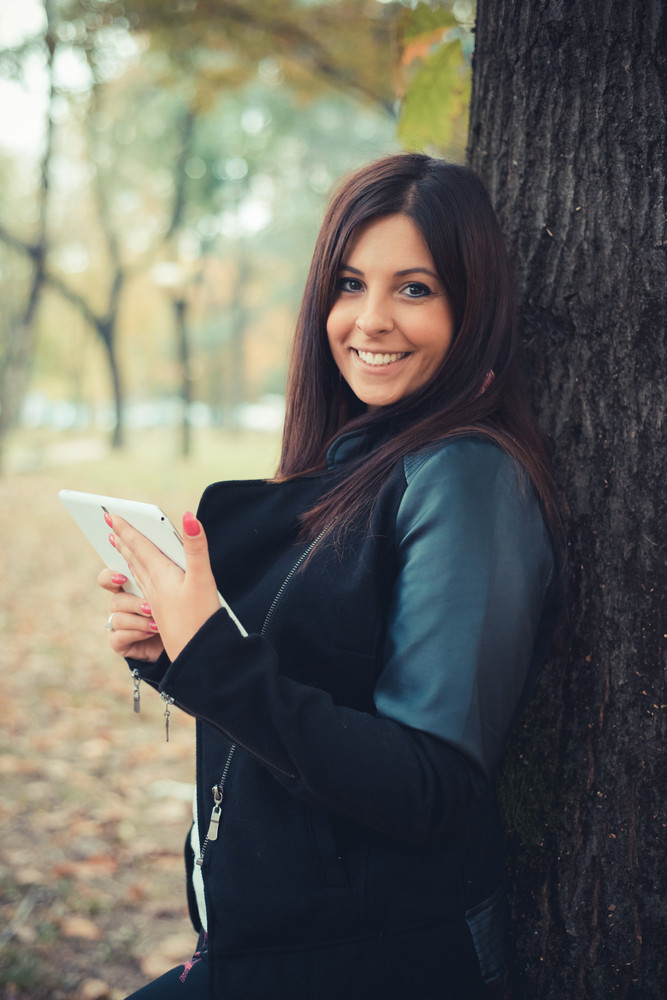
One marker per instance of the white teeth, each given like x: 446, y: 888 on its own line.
x: 380, y: 359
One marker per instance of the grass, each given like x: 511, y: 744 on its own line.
x: 150, y: 460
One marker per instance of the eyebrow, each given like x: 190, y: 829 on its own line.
x: 398, y: 274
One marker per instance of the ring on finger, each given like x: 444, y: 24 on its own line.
x: 109, y: 624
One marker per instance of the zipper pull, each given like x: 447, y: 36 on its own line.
x: 215, y: 815
x: 167, y: 702
x: 137, y: 693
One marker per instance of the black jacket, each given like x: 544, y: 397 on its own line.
x: 354, y: 732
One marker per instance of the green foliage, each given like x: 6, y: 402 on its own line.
x: 425, y: 20
x: 341, y: 43
x: 435, y: 111
x: 435, y: 58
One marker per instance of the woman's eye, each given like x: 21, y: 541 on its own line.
x: 415, y: 290
x: 348, y: 285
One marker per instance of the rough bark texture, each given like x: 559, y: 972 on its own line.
x: 568, y: 130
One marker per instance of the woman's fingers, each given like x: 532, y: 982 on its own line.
x: 181, y: 601
x: 131, y: 603
x: 124, y: 621
x: 132, y: 628
x: 137, y: 645
x: 197, y: 558
x: 111, y: 581
x: 147, y: 563
x: 126, y: 540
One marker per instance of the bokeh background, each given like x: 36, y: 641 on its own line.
x: 163, y: 173
x: 164, y: 168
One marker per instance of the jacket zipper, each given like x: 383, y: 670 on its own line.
x: 276, y: 600
x: 218, y: 790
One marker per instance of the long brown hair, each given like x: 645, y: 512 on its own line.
x: 451, y: 207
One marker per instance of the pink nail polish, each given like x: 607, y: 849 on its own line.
x: 108, y: 518
x: 153, y: 626
x: 191, y: 525
x: 146, y: 608
x: 111, y: 540
x: 118, y: 579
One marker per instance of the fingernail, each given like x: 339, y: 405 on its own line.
x: 111, y: 539
x: 119, y: 580
x: 191, y: 525
x: 146, y: 609
x: 108, y: 518
x: 153, y: 627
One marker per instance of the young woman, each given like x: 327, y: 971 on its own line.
x: 399, y: 586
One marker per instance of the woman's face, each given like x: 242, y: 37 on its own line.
x: 390, y: 325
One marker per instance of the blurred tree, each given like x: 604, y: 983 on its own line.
x: 160, y: 188
x: 217, y: 48
x: 40, y: 249
x: 18, y: 330
x: 568, y: 130
x: 341, y: 42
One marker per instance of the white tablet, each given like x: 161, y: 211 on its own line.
x: 88, y: 511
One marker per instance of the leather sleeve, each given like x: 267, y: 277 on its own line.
x: 410, y: 771
x: 475, y: 561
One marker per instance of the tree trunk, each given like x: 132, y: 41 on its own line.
x: 183, y: 344
x: 17, y: 354
x: 567, y: 128
x: 106, y: 328
x: 14, y: 366
x: 236, y: 382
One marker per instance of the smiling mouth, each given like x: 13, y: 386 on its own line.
x: 378, y: 360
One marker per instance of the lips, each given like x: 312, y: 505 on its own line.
x: 379, y: 360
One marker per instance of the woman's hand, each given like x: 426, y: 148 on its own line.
x: 133, y: 630
x: 178, y: 602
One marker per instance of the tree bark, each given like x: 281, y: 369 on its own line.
x: 567, y: 128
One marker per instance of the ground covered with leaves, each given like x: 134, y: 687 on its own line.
x: 95, y: 804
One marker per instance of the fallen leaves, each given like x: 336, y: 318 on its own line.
x: 176, y: 949
x: 87, y: 869
x: 93, y: 989
x: 80, y: 927
x: 95, y: 805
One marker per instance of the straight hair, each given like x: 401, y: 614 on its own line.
x: 451, y: 208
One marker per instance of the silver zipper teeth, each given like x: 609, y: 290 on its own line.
x: 300, y: 560
x: 217, y: 804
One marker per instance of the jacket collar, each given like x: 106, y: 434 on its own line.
x: 355, y: 444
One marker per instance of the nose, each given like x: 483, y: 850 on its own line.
x: 374, y: 316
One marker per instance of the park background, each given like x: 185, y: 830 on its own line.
x: 163, y: 171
